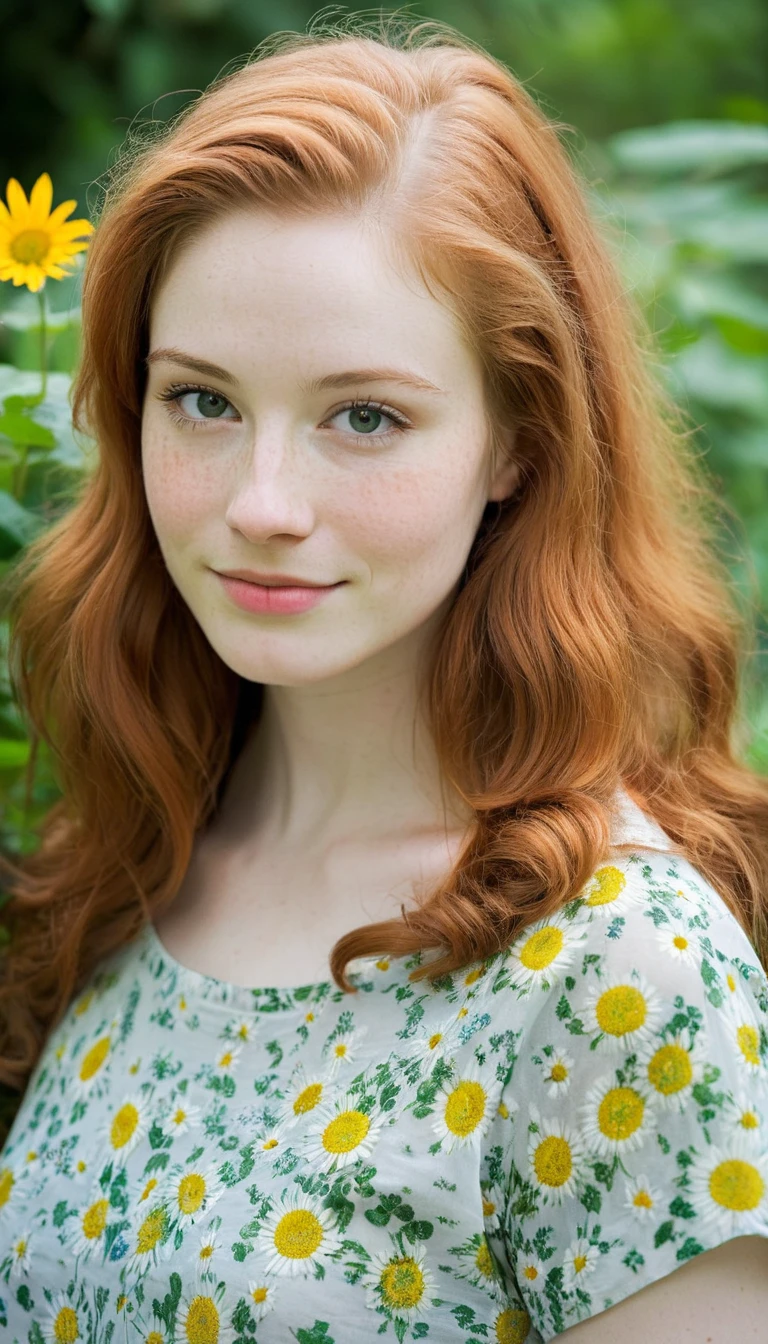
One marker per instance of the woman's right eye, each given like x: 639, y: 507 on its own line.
x: 209, y: 404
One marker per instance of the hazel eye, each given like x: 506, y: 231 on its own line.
x: 210, y: 404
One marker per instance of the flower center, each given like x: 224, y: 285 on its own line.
x: 345, y: 1132
x: 402, y: 1284
x: 95, y: 1219
x: 123, y: 1125
x: 620, y: 1113
x: 308, y: 1099
x: 670, y: 1069
x: 191, y: 1192
x: 465, y: 1108
x: 65, y: 1327
x: 298, y: 1234
x: 202, y: 1323
x: 736, y: 1185
x: 552, y: 1160
x: 31, y: 246
x: 542, y: 947
x: 621, y: 1009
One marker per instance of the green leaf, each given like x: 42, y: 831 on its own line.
x: 20, y: 428
x: 17, y: 525
x: 683, y: 146
x: 13, y: 753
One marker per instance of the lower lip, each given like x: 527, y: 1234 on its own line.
x: 275, y: 601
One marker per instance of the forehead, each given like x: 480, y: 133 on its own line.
x: 310, y: 292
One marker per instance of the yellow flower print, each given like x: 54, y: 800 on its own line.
x: 343, y: 1049
x: 432, y: 1040
x: 8, y: 1182
x: 35, y: 241
x: 729, y: 1187
x: 623, y: 1011
x: 157, y: 1332
x: 203, y: 1314
x: 555, y: 1158
x: 610, y: 890
x: 341, y: 1133
x: 678, y: 942
x: 743, y: 1032
x: 465, y: 1106
x: 64, y: 1322
x: 616, y: 1118
x: 297, y: 1234
x: 190, y: 1191
x: 543, y: 952
x: 399, y: 1284
x: 261, y: 1297
x: 20, y: 1252
x: 672, y: 1067
x: 642, y: 1198
x: 92, y: 1066
x: 86, y: 1233
x: 530, y: 1272
x: 493, y: 1207
x: 176, y: 1115
x: 304, y: 1093
x: 744, y: 1114
x: 556, y: 1071
x: 512, y: 1325
x: 227, y: 1057
x: 579, y: 1262
x: 206, y: 1251
x: 149, y: 1232
x: 124, y: 1126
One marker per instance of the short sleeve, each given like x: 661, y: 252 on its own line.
x: 632, y: 1133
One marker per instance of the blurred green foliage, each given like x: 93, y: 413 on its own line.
x: 670, y: 109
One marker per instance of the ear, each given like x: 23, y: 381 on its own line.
x: 506, y: 476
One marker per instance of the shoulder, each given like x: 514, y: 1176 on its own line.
x: 633, y: 1133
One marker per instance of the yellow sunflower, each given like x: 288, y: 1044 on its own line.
x: 34, y: 242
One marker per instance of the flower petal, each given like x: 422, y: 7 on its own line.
x: 41, y: 198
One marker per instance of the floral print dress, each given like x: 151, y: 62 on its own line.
x: 494, y: 1158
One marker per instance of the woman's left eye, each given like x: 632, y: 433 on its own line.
x: 365, y: 415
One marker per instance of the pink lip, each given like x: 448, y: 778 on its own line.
x: 257, y: 597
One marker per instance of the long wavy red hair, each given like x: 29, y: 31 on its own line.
x: 595, y: 639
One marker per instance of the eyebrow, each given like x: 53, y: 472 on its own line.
x: 171, y: 355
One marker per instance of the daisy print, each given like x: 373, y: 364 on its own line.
x: 227, y: 1058
x: 433, y: 1039
x: 642, y: 1198
x: 9, y: 1183
x: 556, y: 1069
x: 341, y: 1133
x: 270, y: 1141
x: 90, y: 1071
x: 676, y: 942
x: 261, y: 1297
x: 671, y: 1068
x: 743, y: 1032
x: 149, y: 1235
x: 305, y: 1092
x: 241, y: 1029
x: 207, y: 1247
x: 343, y: 1049
x: 555, y: 1157
x: 191, y: 1191
x: 64, y: 1321
x: 203, y: 1314
x: 20, y: 1253
x: 530, y: 1271
x: 729, y: 1187
x: 611, y: 889
x: 297, y: 1234
x: 493, y: 1204
x: 616, y: 1118
x: 399, y: 1284
x: 744, y: 1115
x: 465, y: 1104
x: 176, y: 1115
x: 544, y: 952
x: 124, y: 1127
x: 579, y: 1262
x: 623, y: 1011
x: 86, y: 1232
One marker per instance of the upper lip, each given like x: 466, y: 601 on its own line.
x: 271, y: 580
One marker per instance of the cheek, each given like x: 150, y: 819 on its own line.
x: 180, y: 492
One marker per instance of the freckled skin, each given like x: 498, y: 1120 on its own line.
x: 285, y: 479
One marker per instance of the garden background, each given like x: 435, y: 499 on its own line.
x: 666, y: 113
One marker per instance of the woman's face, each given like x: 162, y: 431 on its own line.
x: 264, y: 464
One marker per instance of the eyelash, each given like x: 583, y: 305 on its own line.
x: 175, y: 391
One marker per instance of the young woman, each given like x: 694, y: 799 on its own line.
x: 387, y: 627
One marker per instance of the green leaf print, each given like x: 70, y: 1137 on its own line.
x: 591, y: 1199
x: 317, y: 1335
x: 689, y: 1248
x: 679, y: 1208
x: 664, y: 1233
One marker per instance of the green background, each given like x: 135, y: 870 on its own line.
x: 667, y: 110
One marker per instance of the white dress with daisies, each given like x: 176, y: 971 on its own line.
x: 491, y: 1159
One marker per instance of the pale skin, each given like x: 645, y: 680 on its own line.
x: 336, y: 812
